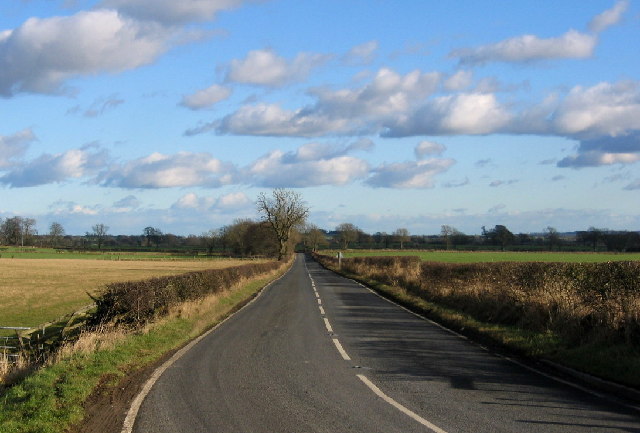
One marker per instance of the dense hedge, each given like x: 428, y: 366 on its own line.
x: 136, y: 302
x: 580, y: 302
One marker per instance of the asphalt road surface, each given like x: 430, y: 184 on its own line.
x: 319, y: 353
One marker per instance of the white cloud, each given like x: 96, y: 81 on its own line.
x: 419, y: 174
x: 527, y: 48
x: 597, y: 158
x: 459, y: 81
x: 266, y: 68
x: 41, y: 54
x: 47, y: 168
x: 346, y: 111
x: 14, y: 146
x: 296, y: 169
x: 166, y: 171
x: 225, y: 203
x: 206, y: 97
x: 126, y: 204
x: 172, y: 11
x: 428, y: 148
x: 463, y: 113
x: 362, y: 54
x: 272, y: 120
x: 609, y: 17
x: 603, y: 109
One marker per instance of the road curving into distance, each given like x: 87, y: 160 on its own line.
x: 320, y: 353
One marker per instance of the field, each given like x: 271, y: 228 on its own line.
x: 498, y: 256
x: 35, y: 291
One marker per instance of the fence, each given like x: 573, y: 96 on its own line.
x: 34, y: 343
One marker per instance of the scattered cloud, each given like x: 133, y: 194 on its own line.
x: 56, y: 168
x: 459, y: 81
x: 463, y: 113
x: 126, y: 204
x: 267, y: 68
x: 230, y: 202
x: 171, y: 12
x: 311, y: 165
x: 42, y: 53
x: 412, y: 174
x: 635, y: 185
x: 456, y: 183
x: 425, y: 148
x: 529, y: 48
x: 605, y: 109
x: 97, y: 107
x: 13, y: 147
x: 347, y: 111
x: 609, y: 17
x: 497, y: 183
x: 157, y: 170
x: 206, y: 97
x: 362, y: 54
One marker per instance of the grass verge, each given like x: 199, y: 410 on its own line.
x: 51, y: 399
x: 495, y: 256
x: 616, y: 363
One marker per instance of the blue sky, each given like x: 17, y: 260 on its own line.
x: 381, y: 113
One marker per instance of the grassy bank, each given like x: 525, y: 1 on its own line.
x: 51, y: 400
x: 585, y: 316
x: 495, y: 256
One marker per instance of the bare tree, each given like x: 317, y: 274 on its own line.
x: 315, y: 237
x: 552, y: 236
x: 99, y: 233
x: 402, y: 235
x: 56, y: 231
x: 284, y: 211
x: 447, y: 233
x: 348, y: 233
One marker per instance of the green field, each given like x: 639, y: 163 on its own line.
x: 496, y: 256
x: 50, y: 253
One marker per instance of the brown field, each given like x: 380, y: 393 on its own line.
x: 33, y: 292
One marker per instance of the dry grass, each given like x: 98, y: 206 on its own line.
x: 37, y: 291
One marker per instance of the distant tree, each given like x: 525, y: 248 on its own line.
x: 501, y: 235
x: 235, y: 236
x: 260, y: 240
x: 28, y: 231
x: 594, y: 236
x: 152, y: 235
x: 552, y: 237
x: 347, y: 233
x: 99, y: 233
x: 314, y: 237
x: 56, y: 232
x: 447, y: 233
x: 402, y: 236
x: 12, y: 230
x: 284, y: 211
x: 210, y: 239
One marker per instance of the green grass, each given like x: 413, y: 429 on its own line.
x: 497, y: 256
x: 50, y: 400
x: 51, y: 253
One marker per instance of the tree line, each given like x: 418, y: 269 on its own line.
x: 282, y: 226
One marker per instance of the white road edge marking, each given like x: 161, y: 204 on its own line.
x: 343, y: 353
x: 130, y: 419
x: 398, y: 406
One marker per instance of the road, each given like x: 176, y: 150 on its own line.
x: 319, y: 353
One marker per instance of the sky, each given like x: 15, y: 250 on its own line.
x: 385, y: 114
